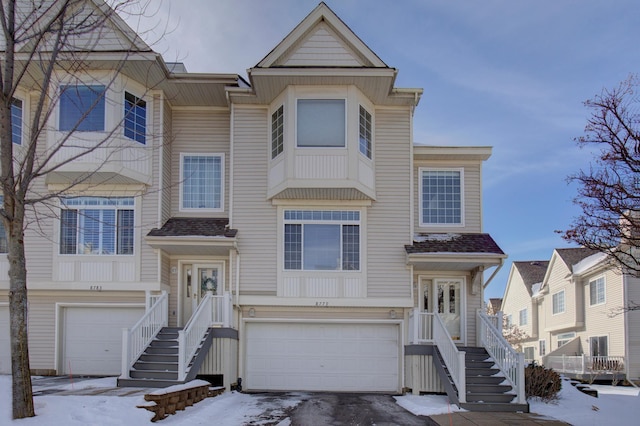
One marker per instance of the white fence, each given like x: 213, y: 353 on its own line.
x: 584, y: 364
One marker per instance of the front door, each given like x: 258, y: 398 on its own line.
x: 198, y: 279
x: 445, y: 297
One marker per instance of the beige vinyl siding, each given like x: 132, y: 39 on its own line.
x: 388, y: 219
x: 322, y: 48
x: 516, y: 299
x: 253, y: 216
x: 632, y: 320
x: 199, y: 131
x: 558, y: 281
x: 42, y: 319
x: 474, y: 302
x: 472, y: 196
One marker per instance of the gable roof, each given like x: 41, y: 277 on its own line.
x: 321, y: 27
x: 532, y: 272
x: 572, y: 256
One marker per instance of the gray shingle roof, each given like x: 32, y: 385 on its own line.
x: 571, y: 256
x: 194, y: 227
x: 453, y: 243
x: 532, y: 272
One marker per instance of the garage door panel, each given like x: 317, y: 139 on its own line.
x: 316, y: 357
x: 92, y: 338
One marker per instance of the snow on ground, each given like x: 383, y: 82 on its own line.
x: 619, y: 405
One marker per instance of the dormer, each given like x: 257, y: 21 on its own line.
x: 322, y: 86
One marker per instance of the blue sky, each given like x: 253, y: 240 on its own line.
x: 508, y: 74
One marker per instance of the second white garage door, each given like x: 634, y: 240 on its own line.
x: 91, y: 340
x: 322, y: 357
x: 5, y: 351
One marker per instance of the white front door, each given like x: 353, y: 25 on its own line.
x: 445, y: 297
x: 198, y: 279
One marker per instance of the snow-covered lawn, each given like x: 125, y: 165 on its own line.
x: 616, y: 405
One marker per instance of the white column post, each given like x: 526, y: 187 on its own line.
x: 126, y: 343
x: 522, y: 397
x: 181, y: 356
x: 462, y: 386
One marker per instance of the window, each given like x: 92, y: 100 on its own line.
x: 320, y: 240
x: 565, y: 338
x: 3, y: 234
x: 596, y: 291
x: 277, y: 132
x: 542, y: 347
x: 598, y: 346
x: 201, y: 182
x: 16, y: 121
x: 523, y: 316
x: 82, y: 108
x: 558, y: 302
x: 135, y: 118
x: 365, y: 132
x: 97, y: 225
x: 441, y: 197
x: 321, y: 123
x: 529, y: 353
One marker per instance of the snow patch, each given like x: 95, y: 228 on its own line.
x: 421, y: 238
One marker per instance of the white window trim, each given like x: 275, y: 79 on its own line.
x: 222, y: 181
x: 526, y: 317
x: 321, y: 95
x: 568, y: 339
x: 462, y: 200
x: 597, y: 335
x: 373, y: 127
x: 272, y: 111
x: 564, y: 303
x: 604, y: 284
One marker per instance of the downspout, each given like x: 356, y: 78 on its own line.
x: 237, y: 279
x: 493, y: 274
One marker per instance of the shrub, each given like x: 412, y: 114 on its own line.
x: 542, y: 383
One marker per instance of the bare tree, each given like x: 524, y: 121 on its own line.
x: 44, y: 45
x: 514, y: 334
x: 609, y: 191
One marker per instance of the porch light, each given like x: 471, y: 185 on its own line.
x: 392, y: 314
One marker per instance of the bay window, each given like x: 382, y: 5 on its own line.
x: 97, y: 226
x: 321, y: 240
x: 135, y: 118
x: 82, y: 108
x: 321, y: 123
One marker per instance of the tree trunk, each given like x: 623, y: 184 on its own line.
x: 22, y: 393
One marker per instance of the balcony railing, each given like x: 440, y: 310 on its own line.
x: 585, y: 364
x: 136, y: 339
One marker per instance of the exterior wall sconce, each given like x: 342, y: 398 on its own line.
x: 392, y: 314
x: 252, y: 312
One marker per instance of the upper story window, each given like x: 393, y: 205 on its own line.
x: 321, y: 240
x: 135, y: 118
x: 441, y: 197
x: 321, y: 123
x: 365, y: 132
x: 97, y: 225
x: 201, y: 187
x: 523, y: 317
x: 82, y: 108
x: 16, y: 121
x: 596, y: 291
x: 558, y: 302
x: 277, y: 132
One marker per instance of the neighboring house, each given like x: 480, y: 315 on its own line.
x: 291, y: 223
x: 576, y: 324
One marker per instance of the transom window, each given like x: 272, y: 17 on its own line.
x: 277, y: 132
x: 135, y: 118
x: 441, y: 197
x: 320, y: 240
x: 97, y: 225
x: 523, y: 317
x: 16, y: 121
x: 597, y: 291
x: 201, y: 182
x: 82, y: 108
x: 565, y: 338
x: 365, y: 132
x: 321, y: 123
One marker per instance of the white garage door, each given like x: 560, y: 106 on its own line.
x: 5, y: 352
x: 322, y: 357
x: 91, y: 341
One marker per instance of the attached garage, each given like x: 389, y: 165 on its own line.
x: 5, y: 351
x: 91, y: 338
x: 347, y: 357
